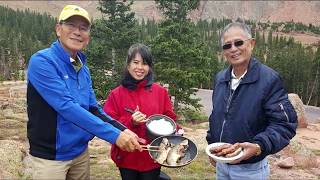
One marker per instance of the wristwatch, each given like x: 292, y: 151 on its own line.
x: 258, y: 149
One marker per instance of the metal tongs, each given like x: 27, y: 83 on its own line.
x: 150, y: 148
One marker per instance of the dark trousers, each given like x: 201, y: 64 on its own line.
x: 129, y: 174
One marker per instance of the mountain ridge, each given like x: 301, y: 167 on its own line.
x: 306, y: 12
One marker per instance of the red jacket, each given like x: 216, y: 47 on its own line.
x: 151, y: 100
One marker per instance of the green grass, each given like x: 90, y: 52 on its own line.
x: 103, y: 168
x: 13, y: 128
x: 191, y: 115
x: 316, y: 152
x: 200, y: 168
x: 193, y: 125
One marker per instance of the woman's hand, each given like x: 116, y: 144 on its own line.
x: 138, y: 117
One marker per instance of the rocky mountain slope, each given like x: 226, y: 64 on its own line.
x: 274, y: 11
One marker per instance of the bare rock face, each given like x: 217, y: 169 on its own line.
x: 300, y: 110
x: 273, y: 11
x: 286, y: 163
x: 14, y: 161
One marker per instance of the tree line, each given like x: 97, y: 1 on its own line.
x: 22, y: 32
x: 187, y: 54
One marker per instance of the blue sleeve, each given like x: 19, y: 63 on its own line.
x: 93, y: 100
x: 281, y: 117
x: 43, y: 75
x: 96, y: 110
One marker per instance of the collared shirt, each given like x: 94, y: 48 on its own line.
x: 236, y: 81
x: 76, y: 63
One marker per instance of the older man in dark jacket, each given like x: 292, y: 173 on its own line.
x: 250, y: 108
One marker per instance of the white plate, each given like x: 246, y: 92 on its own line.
x: 221, y: 159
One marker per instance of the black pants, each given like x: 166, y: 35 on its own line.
x: 129, y: 174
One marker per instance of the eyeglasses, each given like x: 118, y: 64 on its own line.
x: 72, y: 27
x: 236, y: 43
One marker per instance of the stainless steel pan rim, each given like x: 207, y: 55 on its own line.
x: 191, y: 152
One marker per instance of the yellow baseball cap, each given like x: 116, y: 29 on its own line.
x: 73, y: 10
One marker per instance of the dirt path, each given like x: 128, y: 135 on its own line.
x: 309, y: 137
x: 312, y: 113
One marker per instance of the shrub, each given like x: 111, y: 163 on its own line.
x: 187, y: 115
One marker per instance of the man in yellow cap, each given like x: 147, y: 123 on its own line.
x: 62, y: 108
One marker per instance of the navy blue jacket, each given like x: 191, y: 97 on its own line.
x: 258, y: 111
x: 62, y: 108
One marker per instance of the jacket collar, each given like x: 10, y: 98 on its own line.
x: 130, y: 83
x: 64, y: 55
x: 251, y: 76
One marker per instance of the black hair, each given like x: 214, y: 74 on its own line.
x: 128, y: 81
x: 143, y: 50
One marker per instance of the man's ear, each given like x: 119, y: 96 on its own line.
x: 58, y: 30
x: 253, y: 43
x: 88, y: 41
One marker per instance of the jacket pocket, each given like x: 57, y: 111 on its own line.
x: 284, y: 112
x: 287, y: 110
x: 117, y: 155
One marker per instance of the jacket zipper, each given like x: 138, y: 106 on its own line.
x: 282, y: 108
x: 78, y: 79
x: 224, y: 121
x: 228, y: 106
x: 77, y: 72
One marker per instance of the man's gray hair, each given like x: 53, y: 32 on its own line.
x: 240, y: 25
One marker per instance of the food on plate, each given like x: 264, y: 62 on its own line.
x: 171, y: 154
x: 177, y: 152
x: 218, y: 149
x: 226, y: 150
x: 164, y: 149
x: 235, y: 153
x: 161, y: 126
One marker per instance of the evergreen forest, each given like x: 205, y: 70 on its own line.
x: 187, y: 54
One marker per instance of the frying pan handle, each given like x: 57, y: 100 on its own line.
x: 180, y: 132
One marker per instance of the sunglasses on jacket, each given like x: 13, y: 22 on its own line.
x: 236, y: 43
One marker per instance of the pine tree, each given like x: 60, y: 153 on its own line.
x: 111, y: 37
x: 22, y: 33
x: 181, y: 60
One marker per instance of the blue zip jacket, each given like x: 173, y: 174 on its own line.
x: 258, y: 111
x: 62, y: 108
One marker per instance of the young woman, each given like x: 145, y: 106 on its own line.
x: 137, y: 92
